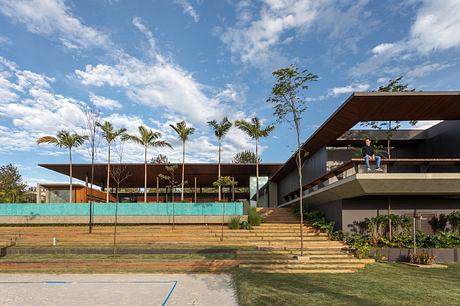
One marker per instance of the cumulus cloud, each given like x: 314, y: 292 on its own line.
x: 103, y: 102
x: 435, y: 29
x: 258, y: 34
x: 337, y: 91
x: 160, y: 84
x: 52, y: 18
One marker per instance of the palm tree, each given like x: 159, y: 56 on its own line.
x: 147, y: 138
x: 183, y: 132
x: 65, y: 139
x: 220, y: 130
x: 254, y: 130
x: 109, y: 134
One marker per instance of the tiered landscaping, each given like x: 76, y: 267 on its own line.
x: 269, y: 247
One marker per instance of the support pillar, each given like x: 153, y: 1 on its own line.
x: 158, y: 189
x: 38, y: 193
x: 194, y: 190
x: 233, y: 189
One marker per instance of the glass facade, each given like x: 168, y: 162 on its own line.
x: 253, y: 187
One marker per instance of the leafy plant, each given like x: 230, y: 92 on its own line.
x: 454, y: 221
x: 245, y: 225
x: 254, y: 219
x: 423, y: 258
x: 234, y: 223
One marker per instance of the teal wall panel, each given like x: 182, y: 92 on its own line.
x: 124, y: 209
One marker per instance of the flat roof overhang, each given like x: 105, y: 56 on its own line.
x: 378, y: 106
x: 365, y: 184
x: 205, y: 173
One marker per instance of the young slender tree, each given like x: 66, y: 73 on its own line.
x: 220, y: 130
x: 184, y: 132
x: 109, y: 134
x: 390, y: 127
x: 92, y: 116
x: 289, y: 102
x: 224, y: 181
x: 254, y: 130
x: 147, y: 138
x: 68, y: 140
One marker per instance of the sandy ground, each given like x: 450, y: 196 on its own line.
x: 116, y: 289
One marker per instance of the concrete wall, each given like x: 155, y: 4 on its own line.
x: 313, y: 167
x: 333, y: 212
x: 121, y: 219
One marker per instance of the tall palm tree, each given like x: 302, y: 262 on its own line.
x: 254, y: 130
x: 220, y: 130
x: 65, y: 139
x: 109, y: 134
x: 183, y: 132
x: 147, y: 138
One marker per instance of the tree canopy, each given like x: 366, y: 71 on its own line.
x: 12, y: 188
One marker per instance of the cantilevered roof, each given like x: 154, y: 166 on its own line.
x: 378, y: 106
x: 205, y: 174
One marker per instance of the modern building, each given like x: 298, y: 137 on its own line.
x: 199, y: 180
x: 421, y: 178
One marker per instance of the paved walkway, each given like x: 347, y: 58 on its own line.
x: 116, y: 289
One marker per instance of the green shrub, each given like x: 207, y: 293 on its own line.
x: 454, y: 221
x: 254, y: 219
x: 245, y: 225
x: 234, y: 223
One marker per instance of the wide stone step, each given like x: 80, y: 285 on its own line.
x: 305, y: 266
x: 304, y: 271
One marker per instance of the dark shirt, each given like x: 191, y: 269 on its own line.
x: 368, y: 150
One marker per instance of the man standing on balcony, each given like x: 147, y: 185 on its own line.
x: 369, y: 155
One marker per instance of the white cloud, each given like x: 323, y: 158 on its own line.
x: 160, y: 84
x: 425, y: 69
x: 52, y: 18
x: 103, y: 102
x: 382, y: 48
x: 188, y: 9
x: 435, y: 29
x: 437, y: 26
x: 337, y: 91
x: 257, y: 39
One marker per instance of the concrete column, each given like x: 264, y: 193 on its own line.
x: 233, y: 189
x: 38, y: 194
x: 158, y: 191
x: 194, y: 190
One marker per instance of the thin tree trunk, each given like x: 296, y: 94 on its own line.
x: 145, y: 174
x: 108, y: 175
x: 91, y: 191
x: 299, y: 169
x: 218, y: 174
x: 183, y: 171
x: 388, y: 139
x: 257, y: 172
x: 70, y: 171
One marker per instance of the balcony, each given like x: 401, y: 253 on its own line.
x: 402, y: 176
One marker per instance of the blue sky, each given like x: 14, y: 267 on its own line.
x: 157, y: 62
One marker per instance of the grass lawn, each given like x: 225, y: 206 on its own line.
x: 378, y: 284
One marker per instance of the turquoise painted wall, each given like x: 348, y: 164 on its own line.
x: 124, y: 209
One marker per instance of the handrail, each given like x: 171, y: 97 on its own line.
x: 354, y: 162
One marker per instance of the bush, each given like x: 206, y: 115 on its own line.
x: 234, y: 223
x: 245, y: 225
x: 423, y: 259
x: 254, y: 219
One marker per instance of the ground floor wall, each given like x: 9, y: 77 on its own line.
x: 349, y: 214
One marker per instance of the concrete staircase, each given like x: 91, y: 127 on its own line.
x: 270, y: 247
x: 321, y: 255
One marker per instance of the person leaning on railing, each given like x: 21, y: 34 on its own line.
x: 369, y: 155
